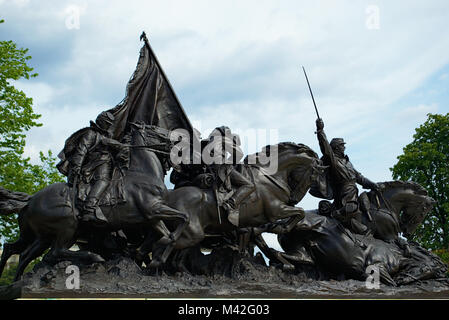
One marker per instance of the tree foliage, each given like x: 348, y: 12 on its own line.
x: 426, y: 161
x: 16, y: 117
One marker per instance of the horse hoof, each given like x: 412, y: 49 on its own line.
x: 165, y: 241
x: 155, y: 264
x: 288, y: 267
x: 97, y: 258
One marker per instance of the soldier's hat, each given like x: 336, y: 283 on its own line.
x: 225, y: 132
x: 104, y: 121
x: 336, y: 141
x: 106, y: 117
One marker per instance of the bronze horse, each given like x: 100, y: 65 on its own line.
x: 399, y: 207
x: 298, y: 167
x: 323, y: 241
x: 48, y: 218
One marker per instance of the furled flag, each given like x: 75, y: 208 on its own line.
x: 149, y: 98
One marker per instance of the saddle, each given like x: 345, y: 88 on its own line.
x: 113, y: 195
x: 207, y: 180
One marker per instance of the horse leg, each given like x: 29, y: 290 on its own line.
x: 163, y: 212
x: 160, y: 260
x: 61, y: 246
x: 32, y: 252
x: 294, y: 215
x: 182, y: 261
x: 191, y: 235
x: 146, y: 246
x: 26, y: 238
x: 273, y: 254
x: 10, y: 249
x: 244, y: 242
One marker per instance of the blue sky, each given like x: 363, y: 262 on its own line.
x: 376, y: 67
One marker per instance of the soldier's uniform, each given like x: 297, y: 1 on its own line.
x: 221, y: 140
x: 343, y: 179
x: 87, y: 155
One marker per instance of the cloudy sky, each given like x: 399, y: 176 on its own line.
x: 376, y: 67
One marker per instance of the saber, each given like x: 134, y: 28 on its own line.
x: 310, y: 89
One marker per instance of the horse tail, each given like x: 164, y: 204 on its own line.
x: 12, y: 202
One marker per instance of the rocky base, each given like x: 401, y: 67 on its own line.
x: 248, y: 279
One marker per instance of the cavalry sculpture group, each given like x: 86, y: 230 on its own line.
x: 115, y: 189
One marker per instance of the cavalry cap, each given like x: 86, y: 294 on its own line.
x: 337, y: 141
x: 105, y: 116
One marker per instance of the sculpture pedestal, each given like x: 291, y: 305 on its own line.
x: 123, y: 278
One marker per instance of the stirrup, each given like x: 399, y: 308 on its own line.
x: 90, y: 214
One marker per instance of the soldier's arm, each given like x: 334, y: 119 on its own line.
x: 365, y: 182
x: 325, y: 147
x: 120, y: 151
x: 81, y: 151
x: 112, y: 143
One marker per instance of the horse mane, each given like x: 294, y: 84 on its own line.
x: 417, y: 188
x: 282, y: 147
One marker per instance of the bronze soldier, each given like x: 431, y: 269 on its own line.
x: 221, y: 142
x: 343, y: 178
x: 90, y: 154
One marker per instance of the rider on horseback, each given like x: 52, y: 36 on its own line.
x: 90, y: 154
x: 224, y: 147
x: 343, y: 179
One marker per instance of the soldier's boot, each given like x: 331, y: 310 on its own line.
x: 232, y: 205
x: 356, y: 223
x: 358, y: 227
x: 233, y: 212
x: 91, y: 210
x: 365, y: 205
x: 354, y: 217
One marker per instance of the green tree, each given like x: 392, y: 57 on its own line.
x: 16, y: 117
x: 426, y: 161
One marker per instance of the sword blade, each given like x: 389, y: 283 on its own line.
x: 311, y: 93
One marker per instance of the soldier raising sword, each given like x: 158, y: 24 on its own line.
x: 343, y: 177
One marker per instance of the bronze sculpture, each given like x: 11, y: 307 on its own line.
x: 88, y: 162
x: 116, y: 188
x: 343, y: 178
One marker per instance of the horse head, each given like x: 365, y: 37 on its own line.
x: 302, y: 167
x: 147, y: 155
x: 409, y: 201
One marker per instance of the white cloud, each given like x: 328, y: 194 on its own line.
x: 249, y: 55
x: 416, y: 113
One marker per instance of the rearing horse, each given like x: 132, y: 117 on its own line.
x: 298, y: 167
x: 400, y: 207
x: 48, y: 220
